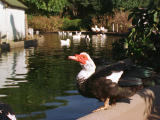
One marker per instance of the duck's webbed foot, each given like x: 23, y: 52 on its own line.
x: 106, y: 106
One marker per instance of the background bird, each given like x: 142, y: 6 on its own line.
x: 6, y: 112
x: 65, y: 42
x: 95, y: 29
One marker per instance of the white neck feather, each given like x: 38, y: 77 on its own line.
x: 87, y: 70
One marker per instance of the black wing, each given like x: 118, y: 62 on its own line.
x: 136, y: 75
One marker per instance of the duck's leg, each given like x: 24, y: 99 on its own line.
x: 106, y: 105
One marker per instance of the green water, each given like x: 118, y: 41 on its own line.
x: 39, y: 83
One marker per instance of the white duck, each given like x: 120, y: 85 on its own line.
x: 69, y: 33
x: 60, y: 33
x: 103, y: 30
x: 77, y: 35
x: 95, y: 29
x: 65, y: 42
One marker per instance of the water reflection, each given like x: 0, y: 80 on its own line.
x: 13, y: 68
x: 40, y: 82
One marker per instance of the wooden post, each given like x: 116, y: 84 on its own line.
x: 113, y: 27
x: 7, y: 37
x: 0, y: 38
x: 121, y: 27
x: 117, y: 27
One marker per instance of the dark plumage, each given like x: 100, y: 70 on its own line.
x: 6, y: 112
x: 113, y: 82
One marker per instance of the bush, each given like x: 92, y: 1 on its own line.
x: 71, y: 24
x: 45, y: 24
x: 144, y: 39
x: 100, y: 20
x: 120, y: 18
x: 86, y: 23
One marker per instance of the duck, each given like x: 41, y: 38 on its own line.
x: 69, y: 33
x: 64, y: 33
x: 112, y: 82
x: 60, y: 33
x: 95, y: 29
x: 103, y: 30
x: 6, y: 112
x: 77, y: 35
x: 65, y: 42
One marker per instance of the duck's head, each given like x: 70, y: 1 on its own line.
x: 87, y: 64
x: 84, y: 59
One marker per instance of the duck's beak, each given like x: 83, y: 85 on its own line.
x: 79, y: 58
x: 72, y: 58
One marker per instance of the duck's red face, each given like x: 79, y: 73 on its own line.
x: 82, y: 58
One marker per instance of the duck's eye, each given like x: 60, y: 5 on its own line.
x: 83, y: 56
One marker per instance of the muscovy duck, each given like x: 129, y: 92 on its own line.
x: 6, y: 112
x: 113, y: 82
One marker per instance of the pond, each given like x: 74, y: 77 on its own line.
x: 39, y: 82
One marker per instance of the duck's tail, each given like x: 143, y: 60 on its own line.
x: 152, y: 81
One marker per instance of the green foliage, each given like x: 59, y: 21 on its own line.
x: 71, y: 24
x: 86, y: 23
x: 130, y: 4
x: 45, y: 6
x: 118, y: 51
x: 83, y: 8
x: 144, y: 39
x: 154, y: 4
x: 74, y: 8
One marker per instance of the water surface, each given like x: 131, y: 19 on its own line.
x: 39, y: 83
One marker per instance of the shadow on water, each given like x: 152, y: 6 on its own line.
x: 39, y: 83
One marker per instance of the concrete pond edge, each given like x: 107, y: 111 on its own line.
x: 144, y: 105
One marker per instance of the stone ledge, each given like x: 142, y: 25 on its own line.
x: 27, y: 43
x: 145, y: 105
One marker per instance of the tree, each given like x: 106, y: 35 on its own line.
x: 144, y: 39
x: 129, y: 4
x: 83, y: 8
x: 45, y: 6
